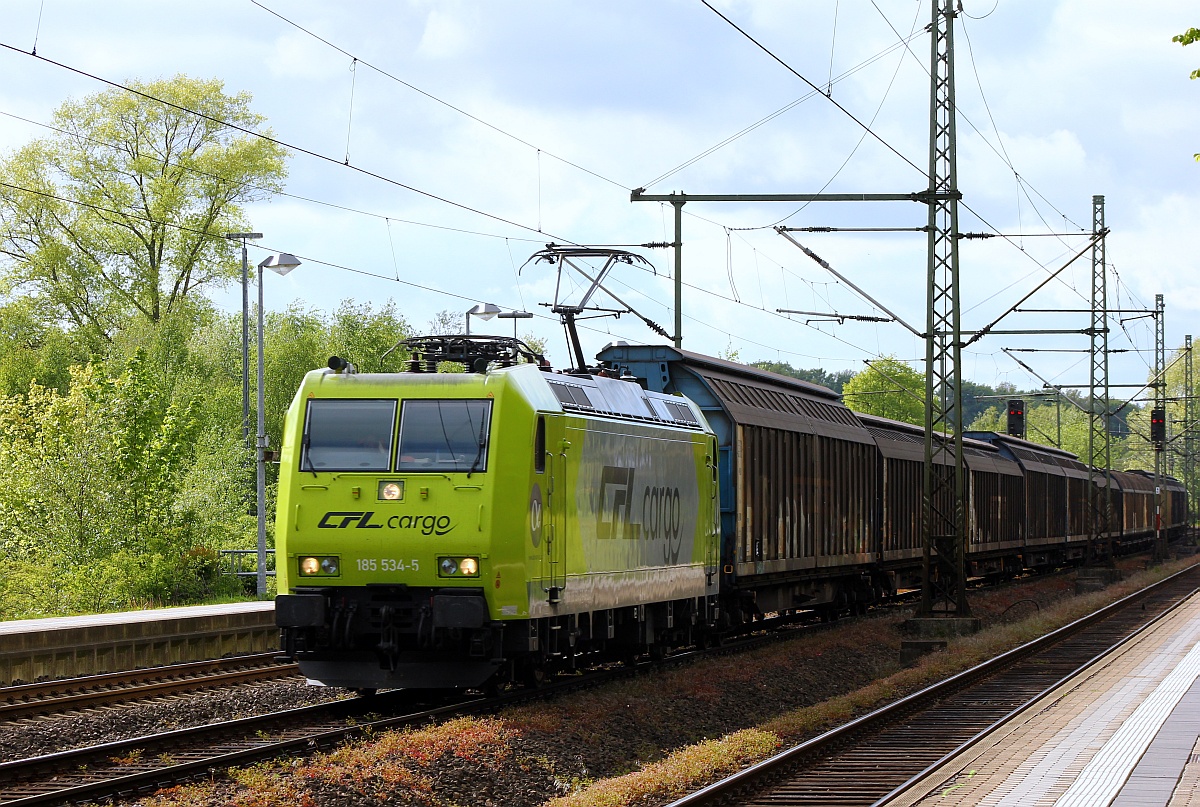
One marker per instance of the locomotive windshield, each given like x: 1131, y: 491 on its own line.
x: 447, y: 435
x: 348, y: 435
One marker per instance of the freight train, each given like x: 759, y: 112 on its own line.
x: 502, y: 522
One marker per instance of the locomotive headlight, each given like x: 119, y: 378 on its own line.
x: 320, y: 566
x: 458, y: 567
x: 391, y: 491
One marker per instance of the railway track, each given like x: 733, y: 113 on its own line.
x: 141, y: 765
x: 863, y: 762
x: 138, y: 766
x: 63, y: 695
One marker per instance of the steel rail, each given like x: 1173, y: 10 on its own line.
x: 999, y: 723
x: 771, y: 772
x: 127, y: 767
x: 65, y: 694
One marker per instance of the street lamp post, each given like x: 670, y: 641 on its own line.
x: 243, y: 237
x: 280, y: 264
x: 484, y: 311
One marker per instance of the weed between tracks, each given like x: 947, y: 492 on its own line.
x: 648, y: 740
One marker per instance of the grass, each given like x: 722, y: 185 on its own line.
x: 692, y: 767
x: 679, y: 773
x: 412, y: 766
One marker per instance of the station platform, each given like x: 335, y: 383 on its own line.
x: 62, y: 647
x: 1124, y: 732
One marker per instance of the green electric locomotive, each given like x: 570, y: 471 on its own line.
x: 461, y: 529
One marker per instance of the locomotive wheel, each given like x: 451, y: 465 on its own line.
x: 533, y: 674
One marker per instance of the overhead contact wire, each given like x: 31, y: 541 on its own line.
x: 284, y: 144
x: 284, y: 194
x: 434, y: 98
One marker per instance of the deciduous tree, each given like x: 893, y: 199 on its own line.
x: 888, y: 388
x: 1186, y: 38
x: 120, y: 214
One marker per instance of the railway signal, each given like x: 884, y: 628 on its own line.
x: 1158, y: 428
x: 1016, y: 418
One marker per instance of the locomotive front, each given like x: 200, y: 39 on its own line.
x: 456, y: 529
x: 388, y: 491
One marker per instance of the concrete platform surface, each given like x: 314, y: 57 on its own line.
x: 123, y: 617
x: 66, y: 647
x: 1123, y: 732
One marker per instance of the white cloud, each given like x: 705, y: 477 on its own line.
x: 445, y: 36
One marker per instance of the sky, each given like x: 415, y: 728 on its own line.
x: 437, y: 144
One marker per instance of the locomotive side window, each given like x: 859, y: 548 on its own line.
x: 348, y: 435
x: 539, y: 446
x: 448, y: 435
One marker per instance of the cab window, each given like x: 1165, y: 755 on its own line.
x: 539, y: 446
x: 444, y: 435
x: 348, y: 435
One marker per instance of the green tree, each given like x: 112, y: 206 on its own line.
x: 120, y: 215
x: 888, y: 388
x: 1177, y: 394
x: 1046, y: 420
x: 1186, y: 38
x: 443, y: 323
x: 33, y: 348
x: 119, y: 488
x: 371, y: 338
x: 834, y: 381
x: 90, y: 496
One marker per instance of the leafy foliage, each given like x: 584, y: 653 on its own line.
x: 120, y: 215
x: 834, y: 381
x: 1186, y: 38
x: 89, y: 484
x: 888, y: 388
x: 119, y: 488
x: 1065, y: 425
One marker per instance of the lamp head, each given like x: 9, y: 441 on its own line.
x: 484, y: 311
x: 280, y: 264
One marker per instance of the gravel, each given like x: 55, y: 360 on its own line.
x: 46, y: 735
x: 541, y: 751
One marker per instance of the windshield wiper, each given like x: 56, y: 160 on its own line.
x: 305, y: 446
x: 482, y: 444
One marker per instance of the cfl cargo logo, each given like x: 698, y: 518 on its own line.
x: 363, y: 520
x: 661, y: 511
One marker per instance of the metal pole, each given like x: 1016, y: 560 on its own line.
x: 243, y: 237
x: 944, y: 500
x: 1189, y: 425
x: 1160, y: 538
x: 261, y: 447
x: 678, y: 274
x: 1099, y: 439
x: 245, y: 348
x: 1058, y: 418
